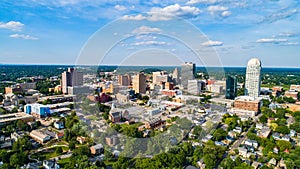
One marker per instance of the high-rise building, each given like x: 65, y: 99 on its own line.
x: 175, y: 76
x: 71, y: 78
x: 139, y: 83
x: 154, y: 75
x: 124, y: 80
x: 188, y: 70
x: 194, y: 87
x: 231, y: 87
x: 253, y: 78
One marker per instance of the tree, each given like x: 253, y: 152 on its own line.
x: 17, y: 159
x: 263, y: 119
x: 282, y: 129
x: 283, y: 145
x: 72, y: 145
x: 82, y: 150
x: 267, y: 112
x: 4, y: 156
x: 296, y: 126
x: 266, y: 102
x: 219, y: 134
x: 197, y: 131
x: 1, y: 98
x: 227, y: 163
x: 58, y: 150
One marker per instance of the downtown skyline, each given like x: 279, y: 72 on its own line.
x: 44, y: 32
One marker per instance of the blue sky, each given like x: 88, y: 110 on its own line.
x: 56, y: 31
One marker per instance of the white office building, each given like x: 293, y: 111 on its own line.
x: 253, y: 78
x: 194, y: 87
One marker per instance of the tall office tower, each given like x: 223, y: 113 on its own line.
x: 139, y: 83
x: 253, y: 78
x: 71, y: 78
x: 188, y: 70
x: 175, y: 76
x: 194, y: 87
x: 231, y: 87
x: 124, y: 80
x: 154, y: 77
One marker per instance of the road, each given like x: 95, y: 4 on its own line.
x: 238, y: 142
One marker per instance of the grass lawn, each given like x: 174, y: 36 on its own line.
x: 285, y: 87
x: 46, y: 154
x: 64, y: 161
x: 136, y: 125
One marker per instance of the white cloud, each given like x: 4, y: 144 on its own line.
x: 12, y: 25
x: 288, y: 34
x: 212, y: 43
x: 136, y: 17
x: 216, y: 8
x: 120, y: 7
x: 219, y: 10
x: 22, y: 36
x: 146, y: 29
x: 292, y: 43
x: 166, y: 13
x: 226, y: 13
x: 149, y: 43
x: 191, y: 2
x: 145, y: 37
x: 271, y: 40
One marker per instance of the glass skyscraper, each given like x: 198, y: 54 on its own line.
x: 231, y: 87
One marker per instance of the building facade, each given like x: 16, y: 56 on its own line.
x: 71, y: 78
x: 231, y: 88
x: 194, y: 87
x: 253, y: 78
x: 188, y: 71
x: 139, y: 84
x: 124, y: 80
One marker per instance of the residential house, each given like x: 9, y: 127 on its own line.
x: 97, y: 149
x: 81, y: 139
x: 112, y: 140
x: 59, y: 125
x: 50, y: 164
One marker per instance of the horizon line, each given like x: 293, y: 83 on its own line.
x: 41, y: 64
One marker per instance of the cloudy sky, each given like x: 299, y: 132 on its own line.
x: 71, y: 31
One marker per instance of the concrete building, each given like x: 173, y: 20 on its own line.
x: 194, y: 87
x: 218, y: 89
x: 188, y: 70
x: 39, y: 136
x: 293, y: 94
x: 71, y: 78
x: 175, y: 76
x: 153, y: 112
x: 7, y: 118
x: 37, y: 110
x: 253, y: 78
x: 295, y: 87
x: 139, y: 84
x: 247, y: 103
x: 124, y: 80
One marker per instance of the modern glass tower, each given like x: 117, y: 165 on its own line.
x: 231, y: 87
x: 253, y: 78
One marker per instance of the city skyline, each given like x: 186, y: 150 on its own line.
x: 54, y: 32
